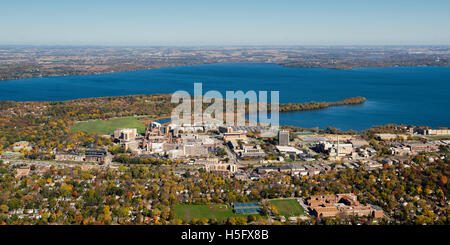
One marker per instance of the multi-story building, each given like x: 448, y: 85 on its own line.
x: 125, y: 134
x: 100, y: 156
x: 283, y: 137
x: 335, y: 150
x: 227, y: 168
x: 425, y: 131
x: 76, y: 157
x: 195, y: 151
x: 234, y: 136
x: 252, y: 151
x: 341, y: 205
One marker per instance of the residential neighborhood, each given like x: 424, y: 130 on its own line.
x: 245, y: 165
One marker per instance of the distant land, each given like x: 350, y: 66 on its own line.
x: 42, y: 61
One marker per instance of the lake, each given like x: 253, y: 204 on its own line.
x: 401, y: 95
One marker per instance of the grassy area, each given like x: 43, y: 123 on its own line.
x: 438, y: 137
x: 108, y: 126
x: 288, y: 207
x: 218, y: 211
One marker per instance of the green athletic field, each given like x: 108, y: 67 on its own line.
x: 288, y: 207
x: 108, y: 126
x: 218, y: 211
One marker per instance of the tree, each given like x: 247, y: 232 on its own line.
x: 274, y: 210
x: 4, y: 208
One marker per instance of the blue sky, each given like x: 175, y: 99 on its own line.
x: 230, y: 22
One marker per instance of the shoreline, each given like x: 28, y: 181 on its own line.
x: 206, y: 63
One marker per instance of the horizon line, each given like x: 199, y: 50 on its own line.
x: 227, y: 45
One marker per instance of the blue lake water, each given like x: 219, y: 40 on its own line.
x: 408, y: 95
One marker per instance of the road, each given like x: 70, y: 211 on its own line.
x: 230, y: 154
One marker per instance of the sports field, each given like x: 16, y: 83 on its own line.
x: 218, y: 211
x: 288, y: 207
x: 108, y: 126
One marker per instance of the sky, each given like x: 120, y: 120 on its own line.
x: 225, y: 22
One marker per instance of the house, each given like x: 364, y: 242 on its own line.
x: 179, y: 172
x: 264, y: 170
x: 22, y: 172
x: 240, y: 176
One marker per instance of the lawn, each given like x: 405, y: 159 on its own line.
x: 288, y: 207
x: 108, y: 126
x: 438, y: 137
x: 218, y: 211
